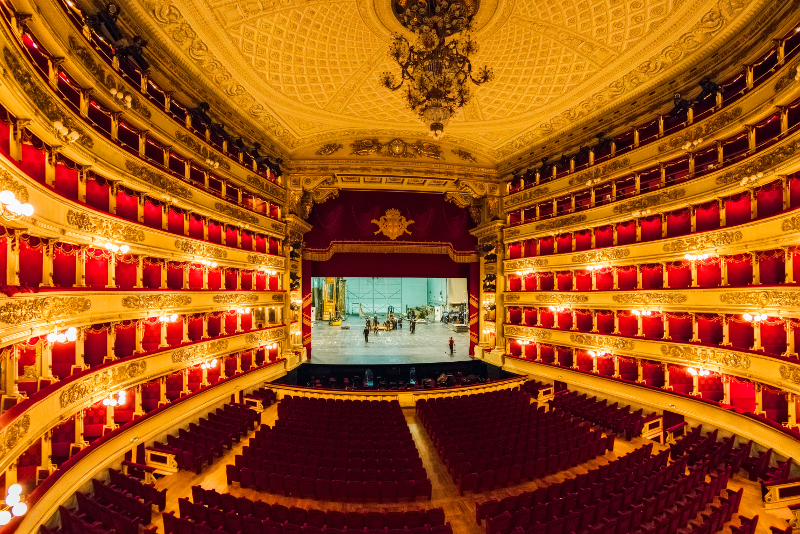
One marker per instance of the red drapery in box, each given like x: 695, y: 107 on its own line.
x: 95, y: 345
x: 195, y: 276
x: 230, y: 322
x: 27, y: 464
x: 66, y: 177
x: 97, y: 192
x: 125, y: 270
x: 584, y: 361
x: 583, y: 319
x: 564, y: 281
x: 261, y: 244
x: 679, y: 275
x: 152, y: 213
x: 709, y: 272
x: 564, y: 243
x: 214, y: 278
x: 743, y: 395
x: 546, y: 318
x: 564, y: 320
x: 628, y: 325
x: 151, y: 273
x: 605, y: 366
x: 680, y: 380
x: 247, y: 240
x: 583, y: 281
x: 214, y: 232
x: 605, y: 322
x: 653, y: 327
x: 741, y: 333
x: 707, y: 217
x: 680, y: 326
x: 564, y: 356
x: 626, y: 233
x: 737, y: 209
x: 546, y: 281
x: 771, y: 267
x: 774, y: 404
x: 604, y: 236
x: 514, y: 315
x: 530, y: 316
x: 709, y: 329
x: 515, y: 347
x: 605, y: 279
x: 175, y: 220
x: 175, y: 333
x: 710, y: 387
x: 515, y: 251
x: 273, y: 283
x: 96, y: 266
x: 773, y: 336
x: 546, y: 353
x: 653, y: 374
x: 651, y: 228
x: 740, y: 270
x: 230, y: 278
x: 247, y: 280
x: 195, y: 327
x: 583, y: 240
x: 32, y: 161
x: 769, y: 199
x: 63, y: 359
x: 474, y: 304
x: 31, y: 257
x: 127, y: 204
x: 274, y: 246
x: 652, y: 277
x: 627, y: 278
x: 196, y: 227
x: 125, y: 342
x: 175, y: 275
x: 529, y: 282
x: 151, y: 337
x: 261, y: 280
x: 546, y: 246
x: 64, y: 264
x: 679, y: 223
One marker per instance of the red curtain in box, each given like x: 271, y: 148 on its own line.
x: 230, y: 366
x: 230, y: 322
x: 564, y: 281
x: 515, y: 251
x: 274, y: 246
x: 127, y: 204
x: 529, y: 282
x: 769, y: 199
x: 194, y: 379
x: 774, y: 404
x: 711, y: 388
x: 5, y: 135
x: 628, y: 370
x: 261, y: 244
x: 653, y: 374
x: 63, y: 359
x: 150, y: 396
x: 680, y: 326
x: 214, y: 324
x: 174, y: 386
x: 66, y: 177
x: 546, y: 246
x: 626, y: 233
x: 212, y: 375
x: 743, y: 395
x: 230, y: 278
x: 546, y: 318
x: 152, y: 213
x: 564, y: 243
x: 125, y: 342
x: 231, y: 236
x: 564, y: 356
x: 247, y: 280
x: 772, y: 269
x: 95, y: 345
x: 515, y: 315
x: 215, y: 278
x: 64, y: 264
x: 546, y: 352
x: 175, y: 333
x: 628, y: 324
x: 195, y: 276
x: 31, y: 257
x: 740, y: 270
x: 175, y: 275
x: 653, y: 327
x: 680, y: 380
x: 515, y: 347
x: 707, y: 217
x: 96, y: 267
x: 273, y: 353
x: 679, y: 223
x: 583, y: 320
x: 794, y: 190
x: 530, y: 247
x: 125, y: 270
x: 605, y: 279
x: 604, y: 236
x: 564, y: 320
x: 529, y: 351
x: 737, y: 209
x: 32, y: 161
x: 247, y: 240
x: 583, y: 281
x: 195, y: 327
x: 583, y: 240
x: 247, y: 360
x: 151, y: 273
x: 585, y: 362
x: 261, y: 280
x: 652, y: 277
x: 260, y: 357
x: 773, y: 336
x: 247, y: 321
x: 214, y: 232
x: 679, y: 275
x: 273, y: 283
x: 175, y: 220
x: 530, y: 317
x: 709, y: 329
x: 97, y: 192
x: 627, y: 277
x: 196, y: 227
x: 546, y: 281
x: 123, y: 413
x: 709, y: 272
x: 3, y: 255
x: 605, y: 366
x: 741, y: 333
x: 27, y: 464
x: 63, y: 436
x: 651, y: 228
x: 514, y: 283
x: 605, y: 322
x: 151, y: 337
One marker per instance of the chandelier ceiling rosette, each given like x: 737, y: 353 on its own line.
x: 437, y: 65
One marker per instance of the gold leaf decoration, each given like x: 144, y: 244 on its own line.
x: 102, y: 382
x: 267, y: 261
x: 526, y: 263
x: 602, y: 341
x: 463, y: 154
x: 790, y: 373
x: 104, y: 227
x: 23, y: 310
x: 150, y: 302
x: 761, y: 163
x: 601, y: 255
x: 561, y: 222
x: 791, y: 224
x: 201, y: 350
x: 649, y: 298
x: 156, y: 179
x: 525, y: 331
x: 239, y: 298
x: 762, y: 298
x: 703, y: 241
x: 236, y: 213
x: 8, y: 183
x: 705, y: 129
x: 267, y: 335
x: 561, y: 298
x: 524, y: 196
x: 14, y: 434
x: 205, y: 152
x: 200, y: 249
x: 600, y: 172
x: 428, y: 150
x: 327, y: 150
x: 649, y: 201
x: 392, y: 224
x: 706, y: 356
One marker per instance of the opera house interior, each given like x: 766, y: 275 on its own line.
x: 505, y: 266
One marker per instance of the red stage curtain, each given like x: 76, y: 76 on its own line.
x: 175, y: 275
x: 741, y: 333
x: 125, y: 271
x: 151, y: 273
x: 530, y: 317
x: 627, y: 278
x: 96, y: 267
x: 583, y: 319
x: 604, y: 236
x: 709, y: 329
x: 773, y: 336
x: 680, y: 326
x: 175, y: 220
x: 743, y: 396
x: 152, y: 213
x: 546, y: 246
x: 214, y: 232
x: 31, y: 253
x: 583, y: 281
x: 771, y: 267
x: 679, y: 275
x: 565, y: 281
x: 95, y: 346
x: 605, y: 322
x: 652, y: 277
x: 737, y: 209
x: 127, y: 205
x: 626, y: 233
x: 64, y: 264
x: 564, y: 243
x: 583, y: 240
x: 709, y: 273
x: 125, y: 342
x: 740, y: 271
x: 66, y: 179
x: 628, y: 325
x: 651, y: 228
x: 605, y: 279
x: 546, y: 318
x: 97, y: 192
x: 546, y: 281
x: 769, y: 199
x: 707, y: 217
x: 653, y: 327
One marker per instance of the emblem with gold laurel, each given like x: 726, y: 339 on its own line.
x: 392, y: 224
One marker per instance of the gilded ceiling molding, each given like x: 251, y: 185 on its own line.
x: 8, y: 183
x: 396, y: 148
x: 24, y: 310
x: 649, y: 298
x: 106, y: 79
x: 101, y: 381
x: 702, y: 131
x: 525, y: 331
x: 762, y: 298
x: 601, y: 255
x: 599, y: 173
x: 791, y: 224
x: 239, y: 298
x: 264, y: 336
x: 703, y: 241
x: 761, y: 163
x: 707, y: 356
x: 160, y: 302
x: 327, y: 150
x: 462, y: 199
x: 602, y: 341
x: 274, y: 192
x: 235, y: 213
x: 13, y: 434
x: 200, y: 249
x: 561, y: 222
x: 104, y: 227
x: 524, y: 196
x: 206, y: 153
x: 156, y: 179
x: 201, y: 350
x: 790, y: 373
x: 561, y: 298
x: 649, y: 201
x: 525, y: 263
x: 390, y: 248
x: 41, y: 98
x: 464, y: 155
x: 267, y: 260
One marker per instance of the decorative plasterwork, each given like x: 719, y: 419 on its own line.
x: 646, y: 299
x: 464, y: 155
x: 156, y: 179
x: 273, y: 192
x: 525, y: 264
x: 238, y: 298
x: 790, y: 373
x: 791, y: 224
x: 602, y: 341
x: 273, y: 334
x: 761, y: 163
x: 396, y: 148
x: 104, y: 227
x: 561, y: 222
x: 23, y: 310
x: 649, y: 201
x: 327, y: 150
x: 703, y: 241
x: 200, y: 249
x: 779, y: 299
x: 707, y: 356
x: 392, y: 224
x: 702, y: 131
x: 200, y: 350
x: 236, y: 213
x: 518, y: 199
x: 102, y: 382
x: 525, y: 331
x: 561, y: 298
x: 601, y: 255
x: 267, y: 261
x: 8, y: 183
x: 390, y: 248
x: 13, y: 434
x: 159, y: 302
x: 201, y: 150
x: 599, y: 173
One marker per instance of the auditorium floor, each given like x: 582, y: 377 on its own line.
x: 333, y: 345
x: 459, y: 511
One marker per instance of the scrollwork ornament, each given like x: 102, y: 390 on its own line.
x: 272, y: 334
x: 239, y: 298
x: 278, y: 297
x: 561, y: 222
x: 512, y: 297
x: 561, y: 298
x: 327, y: 150
x: 200, y: 249
x: 236, y: 213
x: 266, y: 261
x: 8, y: 183
x: 102, y: 381
x: 601, y: 255
x: 103, y: 227
x: 703, y: 130
x: 524, y: 196
x: 14, y: 434
x: 201, y: 350
x: 602, y: 341
x: 791, y: 224
x: 525, y: 263
x: 24, y: 310
x: 790, y: 373
x: 707, y: 356
x: 704, y: 241
x: 156, y: 302
x: 525, y: 331
x: 761, y: 163
x: 649, y: 201
x: 780, y: 299
x: 645, y: 299
x: 600, y: 173
x: 464, y: 155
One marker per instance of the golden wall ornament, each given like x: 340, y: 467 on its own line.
x: 649, y: 298
x: 601, y: 255
x: 150, y: 302
x: 101, y: 381
x: 239, y: 298
x: 41, y: 98
x: 762, y: 298
x: 235, y: 213
x: 707, y: 356
x: 510, y: 297
x: 30, y: 371
x: 327, y: 150
x: 274, y: 192
x: 761, y: 163
x: 365, y: 147
x: 278, y: 297
x: 525, y: 263
x: 8, y: 183
x: 267, y: 261
x: 649, y: 201
x: 428, y: 150
x: 703, y: 241
x: 156, y: 179
x: 397, y: 148
x: 599, y: 173
x: 265, y: 336
x: 14, y: 434
x: 602, y: 341
x: 703, y: 130
x: 104, y: 227
x: 23, y: 310
x: 791, y: 224
x: 392, y: 224
x: 790, y: 373
x: 464, y: 155
x: 561, y: 222
x: 384, y: 247
x: 200, y: 249
x: 205, y: 153
x: 788, y: 78
x: 462, y: 199
x: 201, y: 350
x: 525, y: 331
x: 524, y: 196
x: 561, y: 298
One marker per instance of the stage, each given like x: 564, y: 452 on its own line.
x: 331, y: 345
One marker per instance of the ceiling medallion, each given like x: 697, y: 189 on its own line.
x: 396, y: 148
x: 437, y: 69
x: 328, y: 149
x: 392, y: 224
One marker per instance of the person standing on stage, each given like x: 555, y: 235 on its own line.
x: 366, y: 334
x: 400, y: 322
x: 451, y: 345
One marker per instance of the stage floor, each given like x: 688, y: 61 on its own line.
x: 332, y: 345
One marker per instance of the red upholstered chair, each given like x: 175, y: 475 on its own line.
x: 336, y: 519
x: 373, y: 520
x: 485, y: 481
x: 393, y: 520
x: 339, y: 490
x: 280, y: 513
x: 405, y: 490
x: 372, y: 491
x: 355, y: 491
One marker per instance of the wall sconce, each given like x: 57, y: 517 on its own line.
x: 208, y: 365
x: 751, y: 178
x: 691, y: 144
x: 117, y: 248
x: 595, y: 267
x: 489, y: 332
x: 70, y: 136
x: 645, y: 313
x: 272, y: 346
x: 11, y: 207
x: 757, y: 318
x: 119, y: 94
x: 698, y: 372
x: 14, y: 506
x: 208, y: 263
x: 242, y: 311
x: 696, y: 257
x: 168, y: 318
x: 558, y: 309
x: 115, y: 401
x: 597, y: 353
x: 212, y: 163
x: 71, y: 334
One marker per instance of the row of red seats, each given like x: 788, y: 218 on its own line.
x: 267, y: 396
x: 125, y: 503
x: 398, y: 469
x: 388, y: 437
x: 599, y: 412
x: 640, y: 458
x: 108, y: 522
x: 343, y: 459
x: 134, y: 486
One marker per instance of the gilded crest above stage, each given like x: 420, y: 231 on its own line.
x: 392, y: 224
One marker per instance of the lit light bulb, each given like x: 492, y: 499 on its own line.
x: 14, y: 489
x: 247, y: 310
x: 6, y: 197
x: 213, y: 363
x: 213, y: 264
x: 692, y: 371
x: 115, y: 248
x: 112, y: 402
x: 5, y: 517
x: 14, y: 206
x: 124, y: 249
x: 747, y: 317
x: 51, y: 338
x: 61, y: 338
x: 105, y: 402
x: 72, y: 336
x: 109, y: 246
x: 173, y: 317
x: 19, y: 509
x: 11, y: 500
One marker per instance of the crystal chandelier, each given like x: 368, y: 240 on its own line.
x: 437, y: 65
